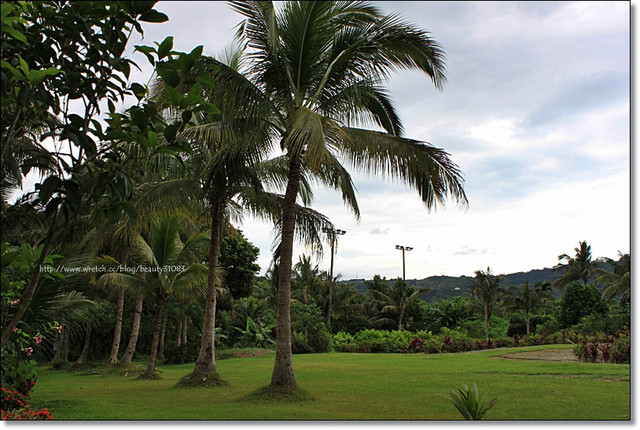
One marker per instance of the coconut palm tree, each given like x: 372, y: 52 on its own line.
x: 617, y: 282
x: 526, y: 299
x: 581, y: 267
x: 306, y: 278
x: 400, y: 297
x: 321, y: 66
x: 486, y: 288
x: 173, y: 268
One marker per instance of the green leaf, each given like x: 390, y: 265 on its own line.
x: 152, y: 136
x: 7, y: 8
x: 153, y: 16
x: 206, y: 80
x: 174, y: 96
x: 140, y: 6
x: 165, y: 47
x: 139, y: 90
x: 74, y: 196
x: 147, y: 51
x: 13, y: 32
x: 170, y: 132
x: 192, y: 57
x: 37, y: 76
x: 48, y: 187
x: 210, y: 108
x: 168, y: 74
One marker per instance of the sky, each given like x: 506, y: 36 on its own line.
x: 535, y: 112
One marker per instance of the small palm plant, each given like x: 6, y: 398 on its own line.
x: 472, y: 404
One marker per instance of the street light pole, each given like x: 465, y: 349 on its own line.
x: 403, y: 249
x: 332, y: 236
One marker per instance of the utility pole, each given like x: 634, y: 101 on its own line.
x: 403, y: 249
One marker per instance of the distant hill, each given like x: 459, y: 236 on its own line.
x: 445, y: 287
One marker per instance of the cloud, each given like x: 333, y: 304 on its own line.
x: 468, y: 250
x: 535, y: 113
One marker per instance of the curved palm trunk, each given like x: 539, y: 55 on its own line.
x: 283, y: 374
x: 117, y: 332
x: 206, y: 362
x: 526, y: 317
x: 151, y: 366
x: 135, y: 331
x: 84, y: 355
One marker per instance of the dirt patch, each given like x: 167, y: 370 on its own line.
x: 543, y: 355
x: 256, y: 353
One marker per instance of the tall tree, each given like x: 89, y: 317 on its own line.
x: 525, y: 299
x: 172, y: 268
x: 322, y: 65
x: 618, y: 282
x: 400, y: 297
x: 486, y: 288
x: 578, y: 268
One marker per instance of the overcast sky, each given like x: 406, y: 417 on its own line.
x: 536, y: 113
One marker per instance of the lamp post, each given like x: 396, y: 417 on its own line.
x: 403, y: 249
x: 332, y: 232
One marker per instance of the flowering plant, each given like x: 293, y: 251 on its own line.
x: 15, y: 407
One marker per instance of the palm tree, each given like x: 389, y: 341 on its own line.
x: 617, y: 282
x: 400, y: 297
x: 173, y: 269
x: 486, y: 287
x: 306, y: 277
x: 449, y: 313
x: 526, y: 299
x: 578, y: 268
x: 320, y: 67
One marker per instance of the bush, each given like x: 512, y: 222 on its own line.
x: 343, y: 342
x: 383, y: 341
x: 320, y: 341
x: 579, y: 301
x: 475, y: 328
x: 607, y: 349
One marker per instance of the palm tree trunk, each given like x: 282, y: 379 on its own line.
x: 526, y: 317
x: 400, y: 318
x: 151, y: 365
x: 135, y: 330
x: 84, y: 355
x: 162, y: 334
x: 184, y: 330
x: 117, y: 332
x: 328, y: 316
x: 283, y: 374
x: 486, y: 321
x: 206, y: 362
x: 179, y: 331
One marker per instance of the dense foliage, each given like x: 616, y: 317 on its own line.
x: 128, y: 238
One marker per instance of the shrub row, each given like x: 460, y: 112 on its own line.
x: 372, y: 341
x: 614, y: 348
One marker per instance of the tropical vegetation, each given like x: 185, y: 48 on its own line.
x: 127, y: 255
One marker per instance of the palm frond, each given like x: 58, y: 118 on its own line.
x: 426, y: 168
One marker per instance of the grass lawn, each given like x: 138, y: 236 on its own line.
x: 351, y: 387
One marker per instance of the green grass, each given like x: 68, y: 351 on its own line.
x: 340, y: 386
